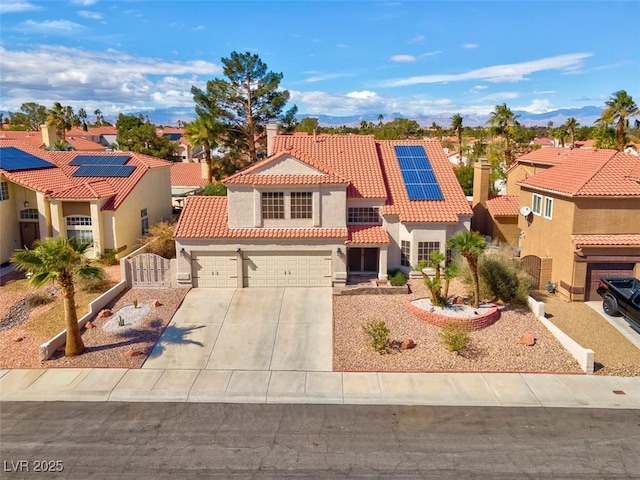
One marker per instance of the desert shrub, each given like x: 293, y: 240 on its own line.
x: 434, y: 285
x: 108, y: 258
x: 504, y: 279
x: 379, y: 333
x: 39, y: 299
x: 396, y: 278
x: 421, y: 265
x: 213, y: 189
x: 92, y: 285
x: 455, y: 336
x: 159, y: 240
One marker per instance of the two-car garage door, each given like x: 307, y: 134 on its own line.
x: 262, y: 269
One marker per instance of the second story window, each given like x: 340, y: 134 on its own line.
x: 272, y: 205
x: 536, y: 206
x: 363, y: 215
x: 4, y: 191
x: 301, y: 205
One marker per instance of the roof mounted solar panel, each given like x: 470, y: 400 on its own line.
x: 13, y: 159
x: 100, y: 160
x: 104, y: 171
x: 417, y: 173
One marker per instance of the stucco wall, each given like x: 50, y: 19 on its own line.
x: 505, y: 230
x: 287, y: 165
x: 10, y: 229
x: 607, y: 216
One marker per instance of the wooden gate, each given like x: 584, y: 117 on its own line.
x: 532, y: 265
x: 149, y: 270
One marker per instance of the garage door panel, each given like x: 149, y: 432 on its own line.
x: 596, y: 271
x: 287, y: 269
x: 214, y: 270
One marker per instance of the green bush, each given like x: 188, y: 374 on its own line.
x: 504, y: 279
x: 455, y: 336
x: 396, y: 278
x: 379, y: 333
x: 108, y: 258
x: 421, y: 265
x: 39, y: 299
x: 213, y: 190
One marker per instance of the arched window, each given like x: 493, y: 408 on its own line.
x: 29, y: 214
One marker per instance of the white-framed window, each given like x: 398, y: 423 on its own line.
x: 77, y: 228
x: 29, y: 214
x: 301, y: 205
x: 425, y: 249
x: 363, y: 215
x: 405, y: 253
x: 144, y: 221
x: 548, y: 207
x: 536, y: 204
x: 4, y: 191
x: 273, y: 205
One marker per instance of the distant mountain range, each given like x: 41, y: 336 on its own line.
x: 585, y: 116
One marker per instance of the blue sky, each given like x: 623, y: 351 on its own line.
x: 337, y: 57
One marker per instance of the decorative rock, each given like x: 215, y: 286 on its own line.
x: 408, y: 344
x: 528, y: 339
x: 88, y: 325
x: 18, y: 339
x: 156, y: 303
x: 133, y: 353
x: 458, y: 300
x: 105, y: 313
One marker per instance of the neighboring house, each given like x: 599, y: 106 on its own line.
x: 186, y: 179
x: 47, y: 137
x: 320, y: 208
x: 584, y: 221
x: 543, y: 142
x: 586, y: 144
x: 107, y: 198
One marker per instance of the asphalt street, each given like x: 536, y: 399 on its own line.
x: 83, y: 440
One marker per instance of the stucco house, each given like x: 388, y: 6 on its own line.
x: 107, y: 198
x: 320, y: 209
x: 186, y: 179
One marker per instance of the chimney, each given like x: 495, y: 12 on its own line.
x: 49, y: 135
x: 272, y: 131
x: 481, y: 174
x: 204, y: 170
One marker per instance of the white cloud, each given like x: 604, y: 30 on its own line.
x: 50, y: 26
x: 417, y: 39
x: 13, y: 6
x: 430, y: 54
x: 362, y: 94
x: 91, y: 15
x: 199, y: 27
x: 514, y: 72
x: 540, y: 105
x: 320, y: 77
x: 49, y: 74
x: 477, y: 88
x: 499, y: 97
x: 403, y: 58
x: 84, y: 3
x: 470, y: 45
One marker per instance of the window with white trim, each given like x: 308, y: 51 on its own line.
x: 272, y: 205
x: 144, y: 221
x: 29, y: 214
x: 4, y: 191
x: 536, y: 204
x: 77, y: 228
x: 425, y: 249
x: 405, y: 253
x: 363, y: 215
x: 301, y: 205
x: 548, y: 207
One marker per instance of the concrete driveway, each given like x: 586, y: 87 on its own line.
x: 249, y: 329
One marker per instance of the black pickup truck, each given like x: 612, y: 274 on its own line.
x: 621, y: 295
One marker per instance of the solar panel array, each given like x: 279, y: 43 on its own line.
x: 13, y: 159
x: 419, y: 179
x: 102, y: 166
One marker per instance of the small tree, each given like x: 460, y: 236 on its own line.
x: 59, y: 260
x: 159, y: 240
x: 434, y: 284
x: 470, y: 245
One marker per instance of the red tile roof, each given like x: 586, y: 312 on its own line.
x: 369, y: 234
x: 35, y: 140
x: 206, y: 217
x: 504, y: 205
x: 447, y: 210
x: 543, y: 142
x: 590, y: 173
x: 284, y: 180
x: 622, y: 240
x: 556, y: 156
x: 59, y: 182
x: 187, y: 174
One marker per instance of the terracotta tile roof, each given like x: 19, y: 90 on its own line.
x: 85, y: 145
x: 103, y: 130
x: 585, y: 143
x: 556, y: 156
x: 504, y: 205
x: 206, y: 217
x: 283, y: 180
x: 187, y: 174
x: 59, y: 182
x: 590, y: 173
x: 352, y: 157
x: 447, y: 210
x: 543, y: 142
x: 634, y: 174
x: 369, y: 234
x: 622, y: 240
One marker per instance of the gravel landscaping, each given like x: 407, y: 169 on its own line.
x: 493, y: 349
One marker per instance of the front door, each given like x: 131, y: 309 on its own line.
x: 30, y: 232
x: 363, y: 260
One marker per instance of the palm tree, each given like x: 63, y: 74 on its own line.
x: 203, y: 132
x: 620, y: 107
x: 82, y: 115
x: 470, y: 245
x: 380, y: 118
x: 98, y: 113
x: 571, y: 126
x: 560, y: 133
x: 56, y: 119
x: 59, y: 260
x: 502, y: 120
x: 456, y: 124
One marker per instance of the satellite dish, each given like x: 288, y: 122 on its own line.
x: 525, y: 211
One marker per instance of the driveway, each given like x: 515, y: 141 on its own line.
x: 249, y: 329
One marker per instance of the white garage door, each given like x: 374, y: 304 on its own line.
x: 287, y: 269
x: 214, y: 269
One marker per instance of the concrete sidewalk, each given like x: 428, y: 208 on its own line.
x: 250, y: 386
